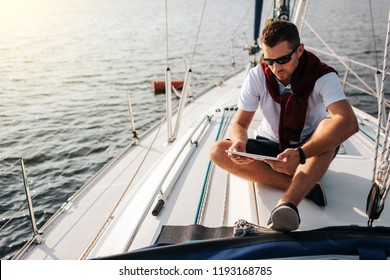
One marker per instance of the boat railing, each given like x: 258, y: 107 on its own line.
x: 31, y: 194
x: 346, y: 62
x: 158, y: 187
x: 58, y: 179
x: 381, y: 166
x: 37, y: 235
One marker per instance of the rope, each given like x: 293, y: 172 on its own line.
x: 385, y: 147
x: 225, y: 199
x: 226, y: 195
x: 383, y: 173
x: 93, y: 242
x: 210, y: 168
x: 199, y: 211
x: 381, y: 100
x: 380, y: 177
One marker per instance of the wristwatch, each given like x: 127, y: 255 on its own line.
x: 302, y: 156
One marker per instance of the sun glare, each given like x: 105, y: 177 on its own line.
x: 15, y: 6
x: 22, y: 15
x: 24, y: 7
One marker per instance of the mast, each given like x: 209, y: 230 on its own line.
x: 258, y: 11
x: 283, y: 11
x: 300, y: 14
x: 255, y: 48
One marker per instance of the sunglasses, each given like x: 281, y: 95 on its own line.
x: 280, y: 60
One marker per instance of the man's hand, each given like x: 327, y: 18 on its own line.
x: 239, y: 146
x: 288, y: 164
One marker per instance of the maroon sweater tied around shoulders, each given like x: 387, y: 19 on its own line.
x: 294, y: 105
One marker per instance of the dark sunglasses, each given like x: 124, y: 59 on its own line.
x: 280, y: 60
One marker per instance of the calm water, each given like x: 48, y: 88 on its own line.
x: 65, y: 65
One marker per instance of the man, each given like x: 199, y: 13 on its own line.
x: 306, y: 118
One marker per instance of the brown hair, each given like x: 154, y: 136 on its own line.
x: 279, y: 31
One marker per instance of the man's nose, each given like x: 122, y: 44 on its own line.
x: 277, y: 66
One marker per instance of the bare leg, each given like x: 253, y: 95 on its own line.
x: 296, y: 187
x: 311, y: 172
x: 257, y: 171
x: 306, y: 176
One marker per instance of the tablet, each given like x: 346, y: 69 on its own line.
x: 254, y: 156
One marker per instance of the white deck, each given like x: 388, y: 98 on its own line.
x: 104, y: 219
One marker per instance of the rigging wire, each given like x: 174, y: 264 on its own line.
x: 224, y: 44
x: 373, y: 35
x: 13, y: 217
x: 333, y: 53
x: 8, y: 169
x: 198, y: 32
x: 381, y: 98
x: 379, y: 189
x: 166, y: 32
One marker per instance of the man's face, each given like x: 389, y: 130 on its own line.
x: 279, y: 54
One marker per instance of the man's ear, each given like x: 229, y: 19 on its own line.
x: 300, y: 49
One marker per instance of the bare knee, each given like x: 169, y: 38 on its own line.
x: 217, y: 151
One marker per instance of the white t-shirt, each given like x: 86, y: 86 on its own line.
x: 254, y: 95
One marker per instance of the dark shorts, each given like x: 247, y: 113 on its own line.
x: 264, y: 146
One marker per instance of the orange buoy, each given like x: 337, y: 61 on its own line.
x: 159, y: 85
